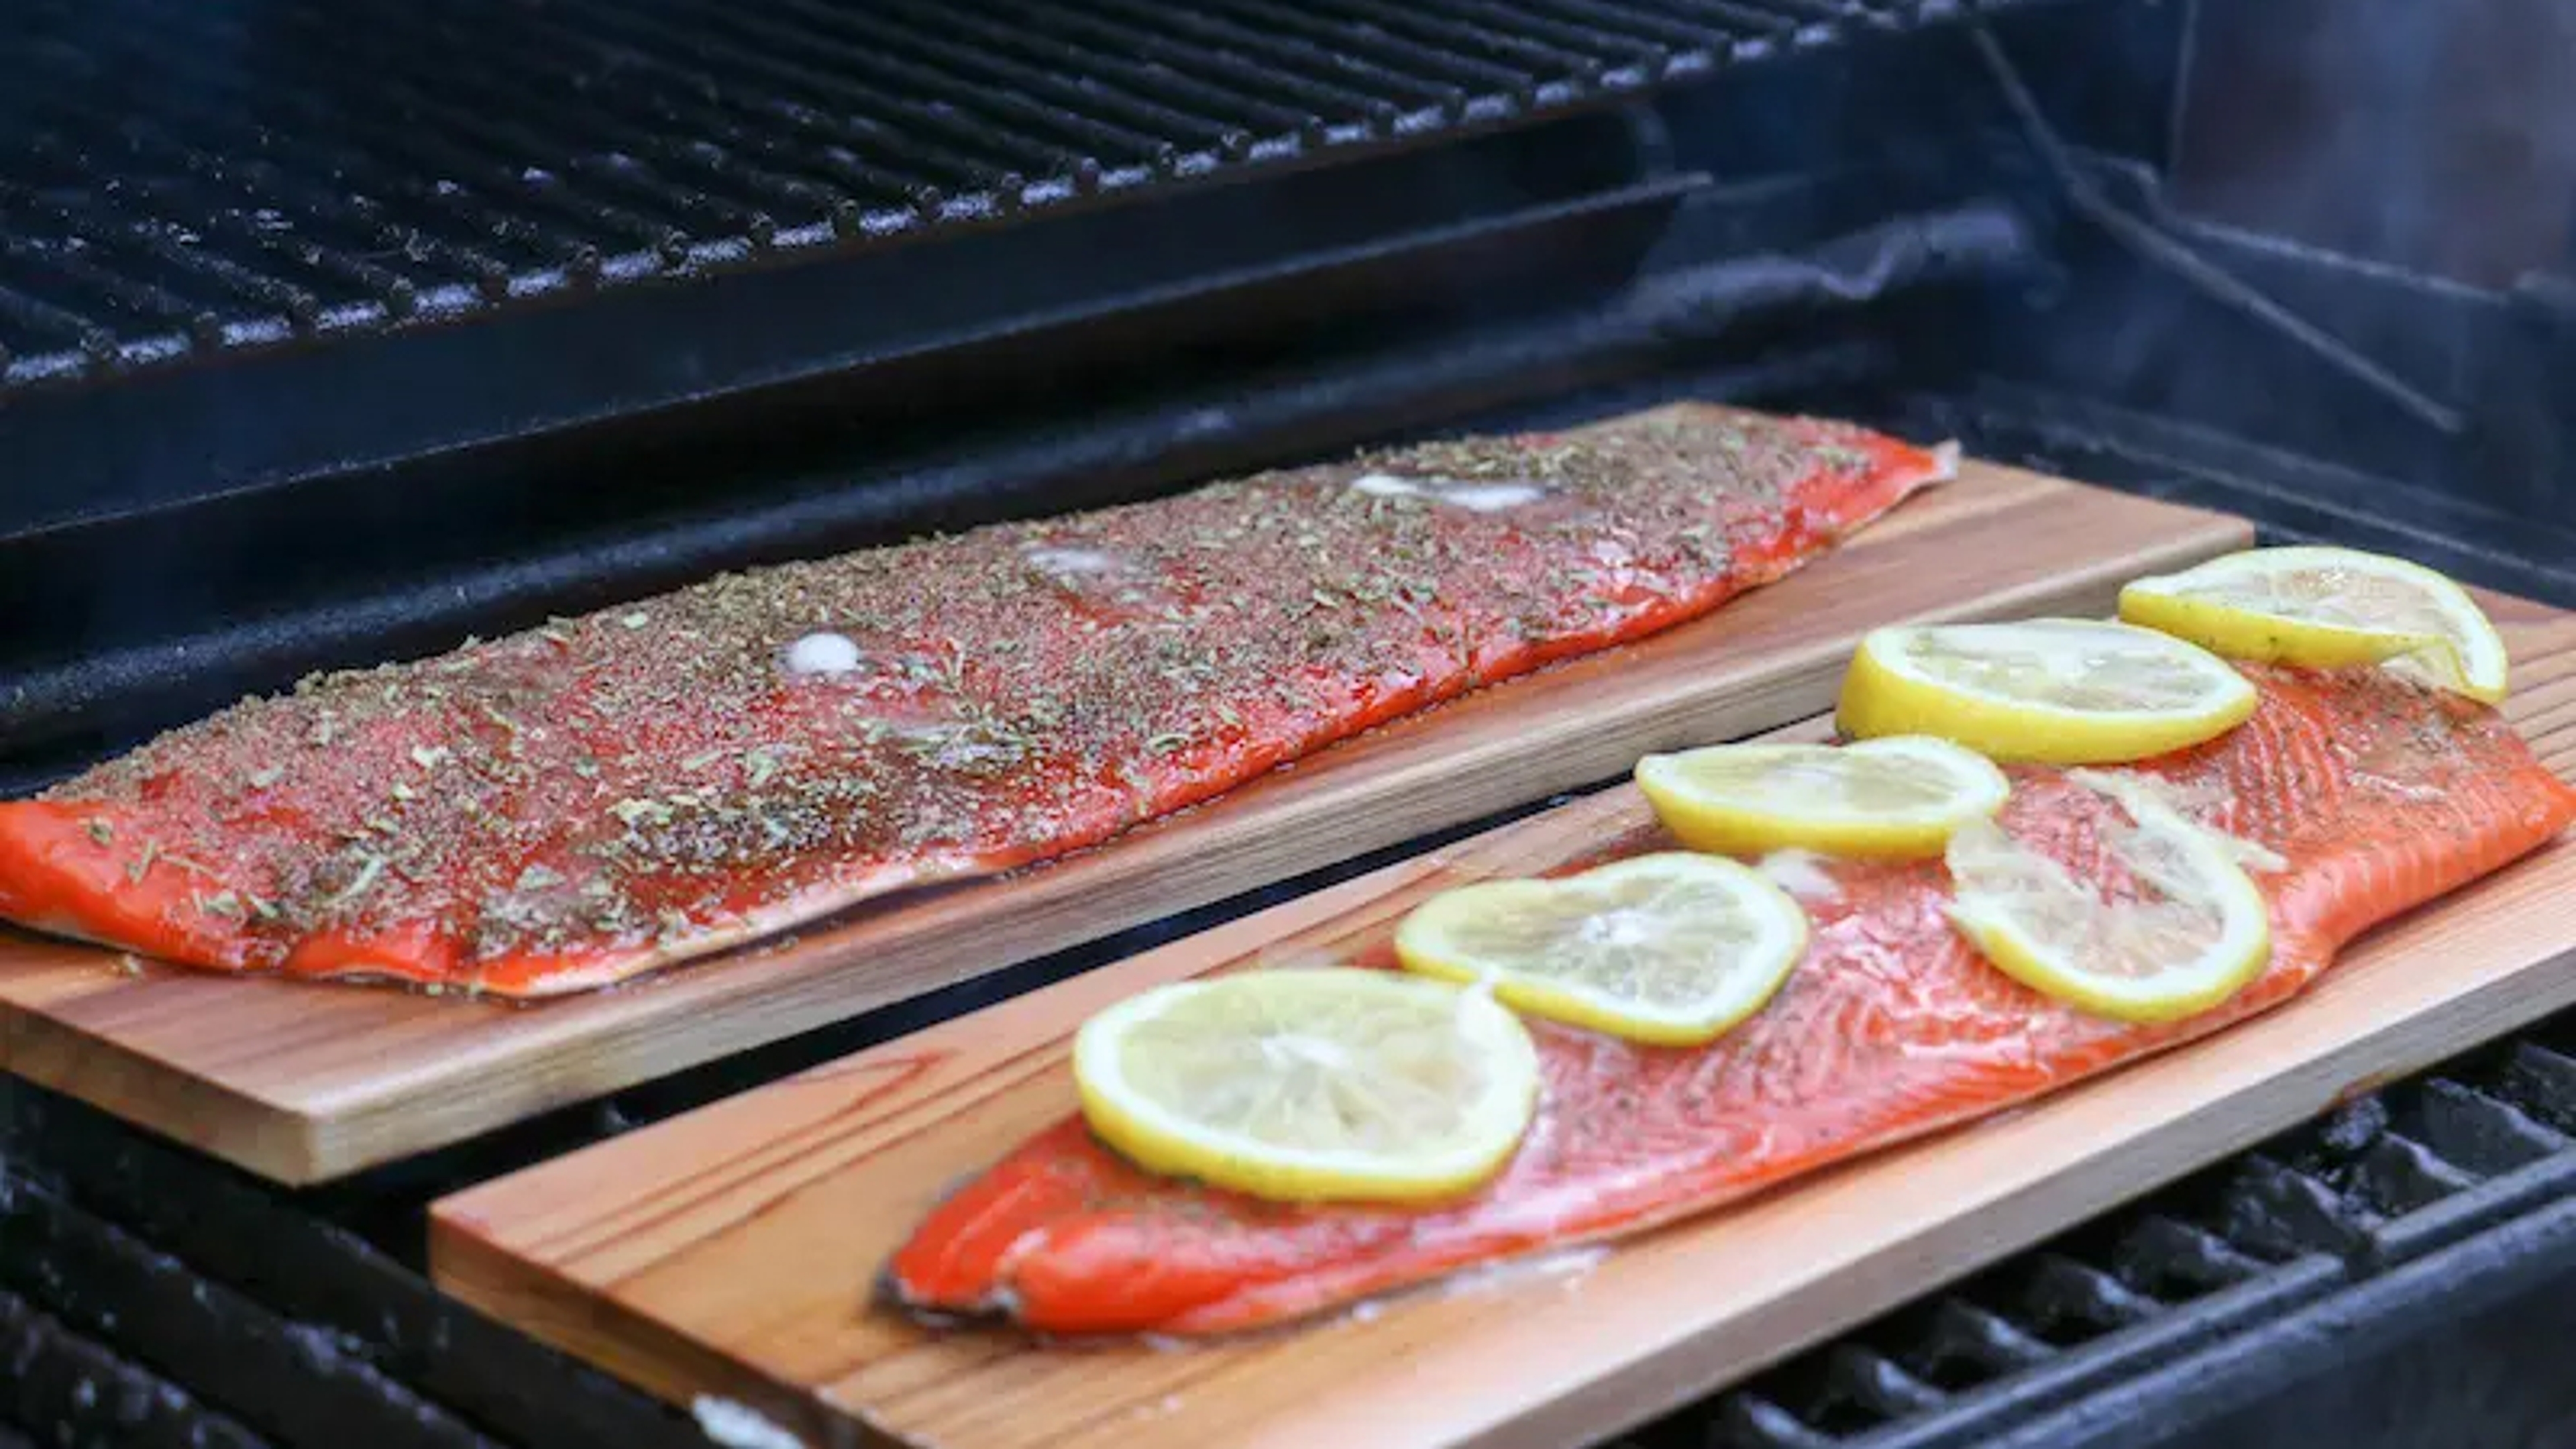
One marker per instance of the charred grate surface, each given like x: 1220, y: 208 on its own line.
x: 179, y: 180
x: 149, y: 1297
x: 2378, y: 1183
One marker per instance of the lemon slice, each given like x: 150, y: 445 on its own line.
x: 2197, y: 935
x: 2328, y: 608
x: 1670, y: 949
x: 2056, y: 691
x: 1886, y: 798
x: 1309, y: 1084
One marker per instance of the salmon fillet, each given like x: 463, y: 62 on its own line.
x: 571, y: 805
x: 2379, y: 795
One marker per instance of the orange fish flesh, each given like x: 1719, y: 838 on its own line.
x: 572, y: 805
x: 2380, y: 795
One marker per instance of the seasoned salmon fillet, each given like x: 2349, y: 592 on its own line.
x: 2377, y: 796
x: 571, y: 805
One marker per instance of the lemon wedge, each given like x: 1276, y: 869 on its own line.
x: 2197, y: 935
x: 1311, y: 1084
x: 1670, y: 949
x: 1894, y: 797
x: 2055, y: 691
x: 2328, y: 608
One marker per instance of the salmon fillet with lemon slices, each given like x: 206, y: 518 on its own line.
x: 569, y: 806
x: 2371, y: 794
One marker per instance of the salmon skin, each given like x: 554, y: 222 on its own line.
x: 572, y: 805
x: 2378, y: 795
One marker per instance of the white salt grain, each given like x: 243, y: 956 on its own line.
x: 822, y: 654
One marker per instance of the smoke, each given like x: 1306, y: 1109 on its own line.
x: 2440, y: 138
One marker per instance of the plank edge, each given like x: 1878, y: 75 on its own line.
x: 555, y: 1311
x: 272, y: 1139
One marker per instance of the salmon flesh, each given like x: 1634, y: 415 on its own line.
x: 568, y: 806
x: 2377, y: 796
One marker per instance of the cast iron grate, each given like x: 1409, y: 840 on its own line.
x: 182, y: 180
x: 2381, y: 1181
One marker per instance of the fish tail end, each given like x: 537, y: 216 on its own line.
x: 21, y: 857
x: 66, y: 869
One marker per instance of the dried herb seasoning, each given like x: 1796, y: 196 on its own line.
x: 630, y: 780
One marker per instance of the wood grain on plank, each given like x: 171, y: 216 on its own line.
x: 302, y: 1082
x: 730, y: 1251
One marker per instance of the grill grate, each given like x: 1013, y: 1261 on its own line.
x: 180, y: 180
x: 2383, y: 1180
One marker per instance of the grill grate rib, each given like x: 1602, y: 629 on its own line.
x: 1963, y: 1345
x: 290, y: 1380
x: 87, y: 1393
x: 183, y: 180
x: 2380, y: 1181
